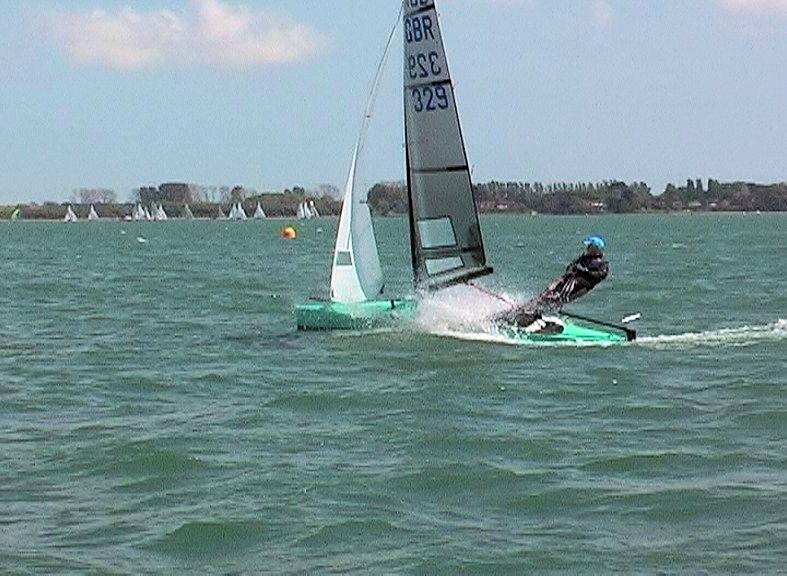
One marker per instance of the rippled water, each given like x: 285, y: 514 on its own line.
x: 160, y: 414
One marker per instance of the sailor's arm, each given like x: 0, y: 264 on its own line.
x: 595, y: 270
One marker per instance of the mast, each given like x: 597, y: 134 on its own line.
x: 356, y: 275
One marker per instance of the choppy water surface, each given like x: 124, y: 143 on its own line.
x: 159, y: 413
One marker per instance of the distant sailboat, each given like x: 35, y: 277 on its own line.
x: 313, y: 209
x: 305, y: 212
x: 237, y: 212
x: 187, y: 213
x: 259, y: 213
x: 138, y: 215
x: 160, y: 214
x: 70, y: 216
x: 16, y: 215
x: 93, y: 215
x: 221, y: 215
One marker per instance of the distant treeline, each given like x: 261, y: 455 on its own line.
x: 389, y: 198
x: 601, y: 197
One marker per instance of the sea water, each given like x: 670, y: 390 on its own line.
x: 160, y: 414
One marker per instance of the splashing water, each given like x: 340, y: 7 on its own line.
x: 461, y: 308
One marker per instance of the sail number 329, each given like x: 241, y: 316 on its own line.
x: 430, y: 98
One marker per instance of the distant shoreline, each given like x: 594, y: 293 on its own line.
x: 391, y: 199
x: 508, y: 214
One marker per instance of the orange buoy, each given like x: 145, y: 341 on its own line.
x: 289, y: 233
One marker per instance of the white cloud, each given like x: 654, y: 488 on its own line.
x: 212, y: 32
x: 238, y: 36
x: 602, y: 13
x: 763, y: 7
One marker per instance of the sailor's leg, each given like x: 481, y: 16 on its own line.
x: 520, y: 316
x: 575, y: 289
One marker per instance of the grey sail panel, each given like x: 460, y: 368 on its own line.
x: 446, y: 241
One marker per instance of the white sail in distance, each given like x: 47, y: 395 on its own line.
x: 139, y: 213
x: 93, y: 215
x: 241, y: 213
x: 70, y: 216
x: 356, y: 275
x: 259, y: 213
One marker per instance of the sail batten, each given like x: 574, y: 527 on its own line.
x: 440, y: 169
x: 446, y: 242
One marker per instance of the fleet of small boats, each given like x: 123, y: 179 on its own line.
x: 156, y: 213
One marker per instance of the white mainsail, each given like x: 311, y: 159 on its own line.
x: 301, y: 212
x: 139, y: 213
x: 160, y: 214
x: 313, y: 209
x: 241, y: 213
x: 259, y: 213
x: 356, y: 275
x: 187, y: 213
x: 70, y: 216
x: 93, y: 215
x: 445, y: 231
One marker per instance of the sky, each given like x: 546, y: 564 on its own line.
x: 269, y: 93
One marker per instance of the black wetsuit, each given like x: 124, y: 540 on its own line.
x: 581, y: 276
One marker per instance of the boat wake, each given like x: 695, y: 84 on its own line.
x: 735, y: 337
x: 743, y: 336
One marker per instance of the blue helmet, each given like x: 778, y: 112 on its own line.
x: 596, y: 241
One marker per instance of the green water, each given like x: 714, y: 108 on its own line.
x: 159, y: 413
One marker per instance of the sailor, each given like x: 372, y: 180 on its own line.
x: 581, y: 276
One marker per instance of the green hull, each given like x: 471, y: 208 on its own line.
x: 384, y: 313
x: 572, y: 333
x: 360, y: 316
